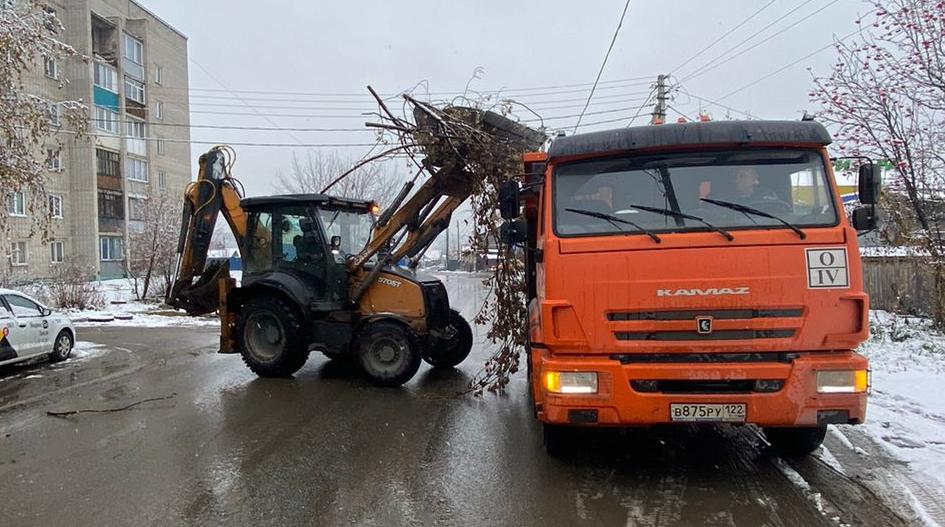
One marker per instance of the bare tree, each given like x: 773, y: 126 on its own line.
x: 28, y: 36
x: 152, y: 248
x: 886, y: 100
x: 313, y: 171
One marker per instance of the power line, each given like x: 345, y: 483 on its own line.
x: 722, y: 55
x: 603, y: 64
x: 727, y: 33
x: 195, y: 142
x: 726, y: 61
x: 787, y: 66
x: 716, y: 103
x: 358, y: 94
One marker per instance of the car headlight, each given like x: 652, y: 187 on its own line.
x: 571, y: 382
x: 842, y: 381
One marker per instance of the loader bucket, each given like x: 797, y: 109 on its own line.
x: 202, y: 297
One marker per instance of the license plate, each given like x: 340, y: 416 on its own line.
x: 730, y: 413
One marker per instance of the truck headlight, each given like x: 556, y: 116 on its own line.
x: 571, y: 382
x: 842, y: 381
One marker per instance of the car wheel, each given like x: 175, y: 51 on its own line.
x: 796, y: 442
x: 62, y: 347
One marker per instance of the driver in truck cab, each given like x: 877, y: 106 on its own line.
x: 742, y: 186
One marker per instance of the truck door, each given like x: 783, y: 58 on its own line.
x: 24, y: 332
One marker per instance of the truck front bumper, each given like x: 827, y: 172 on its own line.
x: 792, y: 398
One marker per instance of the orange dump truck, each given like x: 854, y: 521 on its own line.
x: 696, y: 272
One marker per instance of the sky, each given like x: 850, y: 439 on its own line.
x: 535, y: 52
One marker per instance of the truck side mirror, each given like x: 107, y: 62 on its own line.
x: 870, y: 183
x: 865, y: 218
x: 513, y: 232
x: 509, y: 206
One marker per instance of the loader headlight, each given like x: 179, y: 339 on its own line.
x: 571, y: 382
x: 842, y: 381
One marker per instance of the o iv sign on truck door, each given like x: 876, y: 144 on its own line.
x: 827, y: 269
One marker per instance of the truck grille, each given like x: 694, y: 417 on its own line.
x: 726, y: 324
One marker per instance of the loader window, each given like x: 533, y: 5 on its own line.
x: 790, y: 184
x: 259, y: 237
x: 354, y: 228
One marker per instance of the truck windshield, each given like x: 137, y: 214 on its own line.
x: 791, y: 186
x: 353, y: 227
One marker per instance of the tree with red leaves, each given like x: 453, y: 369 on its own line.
x: 885, y: 99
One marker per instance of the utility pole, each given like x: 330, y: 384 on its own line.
x: 659, y: 111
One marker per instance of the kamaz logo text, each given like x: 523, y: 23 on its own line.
x: 715, y: 291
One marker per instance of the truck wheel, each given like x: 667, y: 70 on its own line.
x: 270, y: 337
x: 388, y: 353
x: 560, y: 441
x: 450, y: 353
x: 796, y: 442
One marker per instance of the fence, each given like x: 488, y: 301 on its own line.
x: 901, y: 284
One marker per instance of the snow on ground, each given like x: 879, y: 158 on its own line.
x: 906, y: 412
x: 86, y: 350
x: 122, y: 309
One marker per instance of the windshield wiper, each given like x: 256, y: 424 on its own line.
x: 614, y: 220
x: 745, y: 209
x: 684, y: 216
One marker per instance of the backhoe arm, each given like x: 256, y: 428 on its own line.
x: 196, y: 286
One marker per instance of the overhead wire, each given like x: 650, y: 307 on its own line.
x: 721, y: 38
x: 603, y: 64
x: 733, y: 57
x: 724, y: 56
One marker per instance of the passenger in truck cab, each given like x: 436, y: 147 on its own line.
x: 741, y: 186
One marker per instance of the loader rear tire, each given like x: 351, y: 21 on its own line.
x: 270, y: 337
x: 388, y: 353
x: 450, y: 353
x: 795, y: 442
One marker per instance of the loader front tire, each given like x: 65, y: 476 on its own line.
x: 270, y: 337
x: 388, y: 353
x: 443, y: 353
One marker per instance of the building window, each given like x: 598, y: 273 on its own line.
x: 111, y: 248
x: 51, y: 67
x: 106, y: 120
x: 53, y: 159
x: 108, y: 163
x: 158, y: 75
x: 16, y: 204
x: 55, y: 114
x: 18, y: 253
x: 57, y: 252
x: 135, y: 129
x: 134, y: 57
x: 110, y: 205
x: 55, y: 206
x: 161, y: 146
x: 136, y: 208
x: 159, y: 110
x: 106, y: 77
x: 134, y: 90
x: 134, y: 49
x: 162, y: 180
x: 137, y: 169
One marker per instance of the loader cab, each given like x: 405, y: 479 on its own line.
x: 300, y: 243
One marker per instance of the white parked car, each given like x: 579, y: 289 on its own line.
x: 30, y: 330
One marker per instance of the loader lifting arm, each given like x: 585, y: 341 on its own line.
x: 195, y: 288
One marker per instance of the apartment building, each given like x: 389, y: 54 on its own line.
x: 134, y: 82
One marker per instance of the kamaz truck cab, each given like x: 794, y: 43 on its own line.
x: 696, y: 272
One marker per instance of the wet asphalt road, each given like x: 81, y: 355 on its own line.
x: 326, y: 448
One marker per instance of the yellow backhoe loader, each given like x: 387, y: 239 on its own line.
x: 319, y: 272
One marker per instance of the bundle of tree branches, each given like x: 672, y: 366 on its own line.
x: 485, y: 149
